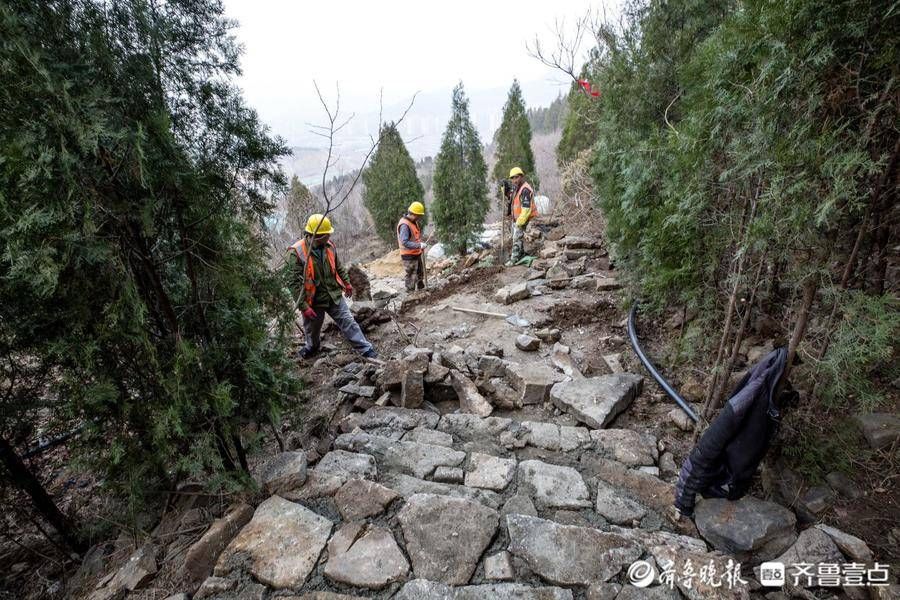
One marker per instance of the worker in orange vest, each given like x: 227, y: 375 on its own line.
x: 321, y: 280
x: 412, y: 250
x: 523, y: 210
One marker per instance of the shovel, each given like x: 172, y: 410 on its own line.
x: 512, y: 319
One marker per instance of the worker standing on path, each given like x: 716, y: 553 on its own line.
x: 523, y: 210
x: 412, y: 250
x: 321, y: 280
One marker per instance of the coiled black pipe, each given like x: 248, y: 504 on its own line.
x: 668, y: 389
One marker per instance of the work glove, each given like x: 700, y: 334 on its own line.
x: 348, y: 291
x: 523, y: 217
x: 309, y: 313
x: 423, y: 247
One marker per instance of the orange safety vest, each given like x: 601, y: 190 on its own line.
x: 416, y: 237
x: 309, y: 275
x: 517, y: 202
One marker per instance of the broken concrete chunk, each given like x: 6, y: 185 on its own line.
x: 553, y: 486
x: 548, y: 335
x: 626, y: 446
x: 408, y: 486
x: 614, y: 506
x: 753, y: 530
x: 526, y: 343
x: 372, y: 561
x: 360, y: 498
x: 499, y: 567
x: 512, y: 293
x: 490, y: 472
x: 566, y: 554
x: 260, y: 546
x: 596, y: 401
x: 285, y: 471
x: 347, y: 465
x: 412, y: 458
x: 429, y: 436
x: 449, y: 552
x: 607, y: 284
x: 470, y: 399
x: 449, y: 475
x: 412, y: 390
x: 880, y: 429
x: 532, y: 382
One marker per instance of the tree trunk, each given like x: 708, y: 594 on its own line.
x: 712, y: 406
x: 25, y: 480
x: 809, y: 295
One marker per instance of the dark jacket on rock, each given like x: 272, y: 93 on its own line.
x: 723, y: 462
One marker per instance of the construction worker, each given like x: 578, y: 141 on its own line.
x: 523, y: 210
x: 412, y: 250
x: 320, y: 280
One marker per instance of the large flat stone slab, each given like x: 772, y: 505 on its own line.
x: 490, y: 472
x: 596, y: 401
x: 398, y: 418
x: 372, y: 560
x: 360, y: 498
x: 469, y: 428
x: 753, y: 530
x: 553, y: 486
x: 566, y: 554
x: 408, y: 486
x: 411, y: 458
x: 626, y: 446
x: 285, y: 471
x: 279, y: 546
x: 532, y: 382
x: 616, y: 507
x: 446, y: 536
x: 551, y: 436
x: 421, y: 589
x: 347, y: 465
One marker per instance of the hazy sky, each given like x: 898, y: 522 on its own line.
x: 402, y: 46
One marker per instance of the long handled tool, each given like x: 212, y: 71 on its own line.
x: 502, y: 258
x: 512, y: 319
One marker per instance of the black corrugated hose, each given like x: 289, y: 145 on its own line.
x: 668, y: 389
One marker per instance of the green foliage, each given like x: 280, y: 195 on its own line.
x: 547, y: 119
x: 391, y: 184
x: 863, y: 347
x: 514, y: 139
x: 133, y: 187
x: 579, y: 122
x: 715, y: 112
x: 460, y: 186
x: 815, y: 452
x: 300, y: 204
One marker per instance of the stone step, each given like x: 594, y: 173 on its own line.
x: 408, y: 486
x: 422, y: 589
x: 412, y: 458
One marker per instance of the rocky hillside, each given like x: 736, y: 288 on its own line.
x: 522, y: 459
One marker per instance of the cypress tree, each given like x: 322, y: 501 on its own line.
x: 460, y: 186
x: 132, y: 270
x: 300, y: 204
x: 391, y: 183
x: 514, y: 138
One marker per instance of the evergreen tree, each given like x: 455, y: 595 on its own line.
x: 514, y: 139
x: 579, y: 125
x: 133, y: 187
x: 460, y: 186
x: 391, y: 183
x: 300, y: 204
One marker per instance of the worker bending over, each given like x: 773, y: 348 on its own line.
x: 321, y: 280
x: 412, y: 250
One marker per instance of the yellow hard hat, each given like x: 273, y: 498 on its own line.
x: 516, y: 171
x: 319, y: 225
x: 416, y: 208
